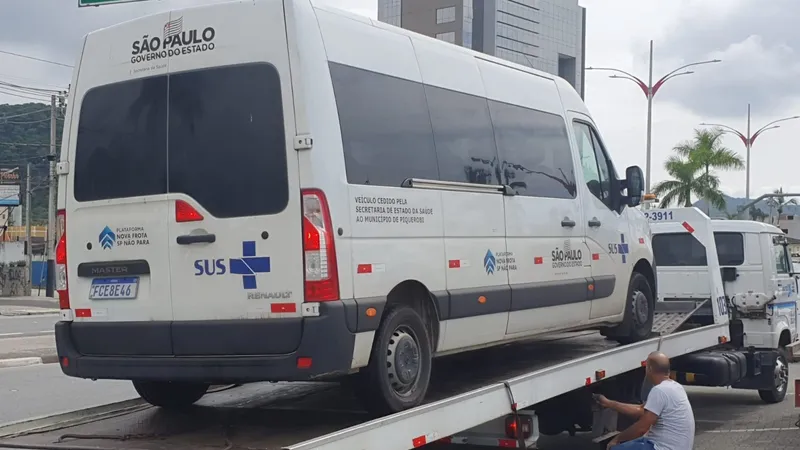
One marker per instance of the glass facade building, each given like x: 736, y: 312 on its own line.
x: 548, y: 35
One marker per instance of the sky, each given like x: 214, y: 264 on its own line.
x: 757, y: 41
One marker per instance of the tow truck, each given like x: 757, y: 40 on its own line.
x: 506, y: 397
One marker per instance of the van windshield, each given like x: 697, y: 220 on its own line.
x: 216, y: 135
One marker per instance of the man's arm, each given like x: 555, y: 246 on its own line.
x: 639, y: 428
x: 626, y: 409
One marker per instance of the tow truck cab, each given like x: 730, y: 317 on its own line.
x: 756, y: 272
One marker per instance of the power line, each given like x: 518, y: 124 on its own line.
x: 17, y: 77
x: 26, y: 144
x: 25, y: 114
x: 29, y: 122
x: 27, y: 97
x: 36, y: 59
x: 30, y: 88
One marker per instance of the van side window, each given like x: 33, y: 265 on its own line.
x: 386, y: 127
x: 591, y: 173
x: 730, y: 248
x: 534, y: 150
x: 781, y: 259
x: 593, y: 162
x: 462, y: 131
x: 678, y: 249
x: 606, y: 168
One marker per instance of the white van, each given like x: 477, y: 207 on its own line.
x: 271, y: 190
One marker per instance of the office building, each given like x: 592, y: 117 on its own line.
x: 548, y: 35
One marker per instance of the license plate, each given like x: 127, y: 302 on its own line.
x: 114, y: 288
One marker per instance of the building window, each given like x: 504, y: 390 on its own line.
x: 446, y: 15
x: 447, y: 37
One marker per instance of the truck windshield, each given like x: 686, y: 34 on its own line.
x: 678, y: 249
x: 683, y: 249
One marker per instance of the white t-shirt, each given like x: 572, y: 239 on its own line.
x: 674, y: 429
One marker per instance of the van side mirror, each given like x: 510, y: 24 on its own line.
x: 634, y: 183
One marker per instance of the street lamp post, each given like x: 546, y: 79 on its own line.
x: 650, y: 89
x: 748, y: 140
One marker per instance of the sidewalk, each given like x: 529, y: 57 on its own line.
x: 28, y: 306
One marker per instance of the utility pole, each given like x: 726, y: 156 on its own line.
x: 650, y: 92
x: 29, y: 253
x: 51, y: 203
x: 650, y: 89
x: 748, y: 146
x: 748, y: 140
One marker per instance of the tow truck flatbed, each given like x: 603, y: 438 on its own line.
x: 282, y: 415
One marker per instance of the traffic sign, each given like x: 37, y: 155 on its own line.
x: 82, y: 3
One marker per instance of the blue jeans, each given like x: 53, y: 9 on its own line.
x: 637, y: 444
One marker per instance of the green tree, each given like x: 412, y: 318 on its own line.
x: 707, y: 152
x: 778, y: 202
x: 757, y: 214
x: 689, y: 179
x: 24, y: 138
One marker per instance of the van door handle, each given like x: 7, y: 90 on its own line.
x: 594, y: 223
x: 186, y: 239
x: 566, y: 223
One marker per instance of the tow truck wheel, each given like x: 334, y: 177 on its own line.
x: 780, y: 379
x: 399, y: 368
x: 637, y: 324
x: 169, y: 395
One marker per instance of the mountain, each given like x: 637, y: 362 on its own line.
x: 24, y: 138
x: 734, y: 203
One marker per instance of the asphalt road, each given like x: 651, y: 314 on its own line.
x: 254, y: 416
x: 35, y: 391
x: 27, y: 326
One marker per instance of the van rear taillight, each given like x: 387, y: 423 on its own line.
x: 319, y: 253
x: 62, y: 286
x: 184, y: 212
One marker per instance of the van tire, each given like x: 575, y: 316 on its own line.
x: 403, y: 334
x: 778, y: 392
x: 169, y: 395
x: 637, y: 324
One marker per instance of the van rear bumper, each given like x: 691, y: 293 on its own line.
x: 325, y: 339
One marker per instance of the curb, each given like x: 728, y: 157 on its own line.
x: 29, y: 312
x: 20, y: 362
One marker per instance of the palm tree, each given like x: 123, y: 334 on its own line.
x: 689, y: 179
x: 778, y: 202
x: 757, y: 214
x: 706, y: 150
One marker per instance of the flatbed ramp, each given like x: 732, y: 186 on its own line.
x: 467, y: 390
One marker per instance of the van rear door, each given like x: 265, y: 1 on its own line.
x: 116, y: 202
x: 234, y: 224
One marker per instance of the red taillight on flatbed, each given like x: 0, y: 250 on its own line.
x: 319, y: 252
x: 62, y: 286
x: 525, y: 425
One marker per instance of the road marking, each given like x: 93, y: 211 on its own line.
x: 21, y: 333
x: 751, y: 430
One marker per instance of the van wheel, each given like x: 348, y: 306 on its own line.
x: 780, y: 378
x: 169, y: 395
x: 399, y: 367
x: 637, y: 324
